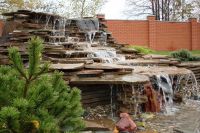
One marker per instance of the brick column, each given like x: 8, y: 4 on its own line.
x: 194, y: 34
x: 100, y: 16
x: 152, y: 31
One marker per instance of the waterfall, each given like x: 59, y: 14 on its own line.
x: 111, y: 101
x: 165, y: 88
x: 89, y: 27
x: 106, y: 56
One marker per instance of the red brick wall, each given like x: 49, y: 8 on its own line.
x: 198, y: 36
x: 130, y: 32
x: 156, y: 34
x: 172, y: 36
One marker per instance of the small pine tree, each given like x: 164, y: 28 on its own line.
x: 33, y: 100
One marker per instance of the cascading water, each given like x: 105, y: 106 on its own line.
x: 89, y: 27
x: 165, y: 88
x: 58, y: 29
x: 168, y: 85
x: 106, y: 56
x: 103, y: 39
x: 187, y: 84
x: 111, y: 101
x: 47, y: 21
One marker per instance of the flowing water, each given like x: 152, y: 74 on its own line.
x: 106, y: 56
x: 168, y: 85
x: 111, y: 101
x: 89, y: 27
x: 187, y: 84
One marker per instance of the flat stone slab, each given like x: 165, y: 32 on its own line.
x: 107, y: 66
x: 89, y: 73
x: 111, y: 79
x: 153, y: 56
x: 67, y: 66
x: 137, y: 62
x: 129, y: 50
x: 189, y: 64
x: 156, y: 70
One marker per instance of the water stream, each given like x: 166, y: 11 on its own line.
x: 111, y: 101
x: 89, y: 27
x: 165, y: 89
x: 185, y: 84
x: 106, y: 56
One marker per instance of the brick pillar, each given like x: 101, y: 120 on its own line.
x: 194, y: 34
x: 152, y: 31
x: 100, y: 16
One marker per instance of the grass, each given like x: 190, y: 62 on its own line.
x: 146, y: 50
x: 195, y: 52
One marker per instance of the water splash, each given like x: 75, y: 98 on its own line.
x: 187, y: 85
x: 111, y: 101
x: 103, y: 39
x: 58, y: 29
x: 89, y: 27
x: 165, y: 88
x: 106, y: 56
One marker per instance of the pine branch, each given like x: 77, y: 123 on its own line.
x: 35, y: 50
x: 16, y: 59
x: 43, y: 70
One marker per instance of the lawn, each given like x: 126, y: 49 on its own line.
x: 146, y: 50
x: 193, y: 52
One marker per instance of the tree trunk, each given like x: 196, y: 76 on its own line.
x: 156, y: 11
x: 168, y: 10
x: 158, y: 2
x: 162, y: 12
x: 153, y: 7
x: 82, y: 8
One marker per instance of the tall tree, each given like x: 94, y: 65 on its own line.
x: 70, y: 8
x: 13, y: 5
x: 8, y: 5
x: 85, y: 8
x: 166, y: 10
x: 196, y: 12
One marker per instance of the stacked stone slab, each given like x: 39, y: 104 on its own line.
x: 194, y: 67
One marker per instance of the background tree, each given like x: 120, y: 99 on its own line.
x: 9, y: 5
x: 12, y: 5
x: 196, y: 4
x: 85, y: 8
x: 166, y: 10
x: 31, y: 99
x: 69, y: 9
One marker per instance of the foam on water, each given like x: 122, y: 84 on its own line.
x: 89, y: 27
x: 165, y: 86
x: 107, y: 56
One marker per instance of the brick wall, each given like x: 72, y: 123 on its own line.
x: 198, y: 36
x: 131, y: 32
x: 157, y: 35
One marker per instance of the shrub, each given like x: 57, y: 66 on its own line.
x: 184, y: 55
x: 33, y: 100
